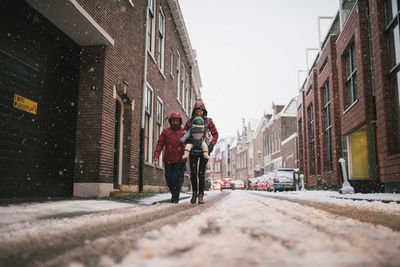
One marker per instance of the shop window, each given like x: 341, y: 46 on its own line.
x: 361, y: 146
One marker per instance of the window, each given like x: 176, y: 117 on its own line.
x: 393, y: 43
x: 182, y: 100
x: 187, y: 94
x: 190, y: 99
x: 178, y: 73
x: 161, y: 41
x: 171, y: 66
x: 328, y: 127
x: 351, y: 75
x: 311, y: 138
x: 147, y: 123
x: 160, y: 116
x: 151, y: 25
x: 362, y: 153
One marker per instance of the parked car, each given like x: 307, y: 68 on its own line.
x: 285, y: 179
x: 216, y: 185
x: 227, y: 183
x: 269, y: 182
x: 238, y: 184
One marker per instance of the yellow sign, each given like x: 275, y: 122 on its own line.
x: 25, y: 104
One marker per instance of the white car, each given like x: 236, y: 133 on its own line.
x: 238, y: 184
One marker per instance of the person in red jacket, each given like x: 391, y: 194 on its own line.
x: 196, y: 155
x: 174, y: 165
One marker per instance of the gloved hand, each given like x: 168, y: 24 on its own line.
x: 210, y: 148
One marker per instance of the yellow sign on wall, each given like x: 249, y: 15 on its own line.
x: 25, y: 104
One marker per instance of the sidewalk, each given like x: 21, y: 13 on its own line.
x: 23, y: 210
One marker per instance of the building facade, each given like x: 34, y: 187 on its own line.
x: 280, y: 137
x: 86, y: 87
x: 348, y: 106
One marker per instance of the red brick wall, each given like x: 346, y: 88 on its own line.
x: 311, y: 96
x: 388, y: 161
x: 163, y: 84
x: 355, y: 31
x: 327, y: 73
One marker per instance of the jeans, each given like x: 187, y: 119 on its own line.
x: 194, y: 163
x: 174, y: 177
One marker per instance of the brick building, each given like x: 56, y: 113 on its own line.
x: 83, y: 84
x: 280, y: 137
x: 348, y: 106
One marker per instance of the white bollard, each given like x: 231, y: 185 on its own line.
x: 346, y: 187
x: 302, y: 182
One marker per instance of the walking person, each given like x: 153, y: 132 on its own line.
x: 197, y: 161
x: 174, y: 165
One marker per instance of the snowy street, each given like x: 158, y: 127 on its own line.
x: 233, y: 228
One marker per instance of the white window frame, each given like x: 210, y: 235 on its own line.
x: 160, y: 124
x: 148, y: 151
x: 171, y: 66
x: 178, y: 71
x: 187, y: 93
x: 182, y: 100
x: 161, y: 44
x: 151, y: 19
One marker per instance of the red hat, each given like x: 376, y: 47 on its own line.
x: 200, y: 105
x: 175, y: 115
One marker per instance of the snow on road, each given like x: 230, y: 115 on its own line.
x: 245, y: 229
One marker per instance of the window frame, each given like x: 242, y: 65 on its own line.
x: 350, y: 85
x: 161, y: 40
x: 148, y: 123
x: 327, y: 127
x: 151, y: 14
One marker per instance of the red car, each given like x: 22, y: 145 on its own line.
x: 227, y: 183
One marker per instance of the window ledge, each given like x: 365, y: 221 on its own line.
x: 352, y: 105
x: 152, y: 56
x: 172, y: 76
x: 149, y: 164
x: 162, y: 74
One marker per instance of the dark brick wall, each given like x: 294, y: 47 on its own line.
x: 107, y: 67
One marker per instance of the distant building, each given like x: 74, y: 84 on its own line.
x: 280, y: 137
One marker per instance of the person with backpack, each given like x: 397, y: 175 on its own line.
x: 197, y: 161
x: 196, y: 136
x: 174, y: 165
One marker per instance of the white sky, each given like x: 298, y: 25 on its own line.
x: 249, y: 52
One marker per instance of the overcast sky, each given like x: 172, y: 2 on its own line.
x: 249, y: 52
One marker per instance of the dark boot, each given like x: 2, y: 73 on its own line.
x: 201, y: 198
x: 194, y: 197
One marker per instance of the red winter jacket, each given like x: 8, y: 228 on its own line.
x: 170, y: 139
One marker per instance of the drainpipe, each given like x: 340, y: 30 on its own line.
x: 141, y: 133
